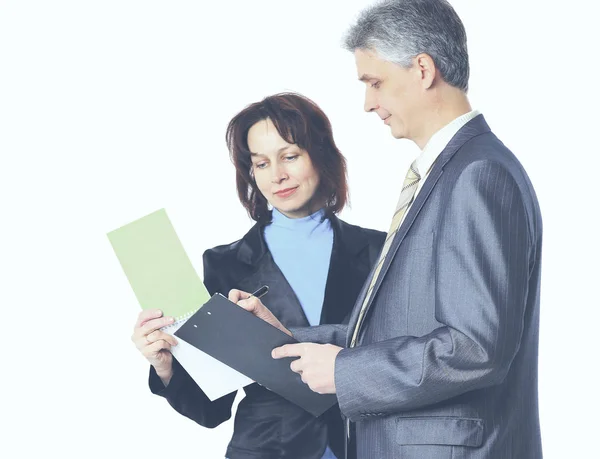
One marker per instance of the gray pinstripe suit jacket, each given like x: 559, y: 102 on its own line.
x: 446, y: 363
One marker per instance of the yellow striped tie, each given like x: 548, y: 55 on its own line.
x: 409, y: 187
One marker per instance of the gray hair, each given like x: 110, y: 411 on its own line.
x: 399, y: 30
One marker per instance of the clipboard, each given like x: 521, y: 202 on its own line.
x: 236, y: 337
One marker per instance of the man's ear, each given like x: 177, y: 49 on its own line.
x: 426, y: 69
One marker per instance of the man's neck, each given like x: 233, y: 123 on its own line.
x: 442, y: 114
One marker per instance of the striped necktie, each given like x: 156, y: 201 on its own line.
x: 409, y: 187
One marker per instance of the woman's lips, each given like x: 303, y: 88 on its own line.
x: 286, y: 192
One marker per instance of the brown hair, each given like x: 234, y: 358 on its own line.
x: 299, y: 121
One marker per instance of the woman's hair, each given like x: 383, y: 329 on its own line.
x: 299, y: 121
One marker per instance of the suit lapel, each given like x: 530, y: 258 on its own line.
x: 347, y: 270
x: 409, y: 219
x: 281, y: 299
x: 357, y: 306
x: 348, y: 267
x: 473, y: 128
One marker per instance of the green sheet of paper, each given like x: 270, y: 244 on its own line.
x: 157, y: 266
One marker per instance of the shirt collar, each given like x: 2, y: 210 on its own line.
x: 440, y: 140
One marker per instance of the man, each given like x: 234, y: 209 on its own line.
x: 440, y: 357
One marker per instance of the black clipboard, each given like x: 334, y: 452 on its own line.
x: 236, y: 337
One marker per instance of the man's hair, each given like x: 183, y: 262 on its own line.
x: 399, y: 30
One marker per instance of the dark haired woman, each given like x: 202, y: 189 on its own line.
x: 292, y: 180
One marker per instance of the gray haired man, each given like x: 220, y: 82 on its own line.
x: 439, y: 359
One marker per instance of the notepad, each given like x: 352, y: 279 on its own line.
x: 163, y: 277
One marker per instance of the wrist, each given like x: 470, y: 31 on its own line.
x: 165, y: 374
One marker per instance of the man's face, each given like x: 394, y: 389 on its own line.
x: 393, y: 92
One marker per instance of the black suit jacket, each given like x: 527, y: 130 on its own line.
x: 266, y: 425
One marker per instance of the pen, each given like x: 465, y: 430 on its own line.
x: 260, y: 292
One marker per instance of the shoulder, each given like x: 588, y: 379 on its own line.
x: 246, y: 249
x: 373, y: 237
x: 485, y: 175
x: 485, y: 161
x: 221, y: 254
x: 225, y: 264
x: 487, y: 151
x: 227, y: 253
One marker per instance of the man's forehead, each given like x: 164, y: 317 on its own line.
x: 367, y: 64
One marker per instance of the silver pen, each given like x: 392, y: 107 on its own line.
x: 260, y: 292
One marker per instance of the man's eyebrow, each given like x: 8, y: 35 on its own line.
x: 366, y: 77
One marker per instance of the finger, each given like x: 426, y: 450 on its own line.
x: 251, y: 304
x: 154, y: 324
x: 157, y: 335
x: 236, y: 295
x: 155, y: 348
x: 316, y: 389
x: 140, y: 334
x: 150, y: 325
x: 141, y: 342
x: 303, y: 378
x: 297, y: 366
x: 287, y: 350
x: 147, y: 315
x: 171, y: 340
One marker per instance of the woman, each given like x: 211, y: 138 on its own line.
x: 314, y: 264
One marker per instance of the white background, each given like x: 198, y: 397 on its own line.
x: 110, y: 110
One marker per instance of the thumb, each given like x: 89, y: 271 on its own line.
x: 236, y: 295
x: 251, y: 305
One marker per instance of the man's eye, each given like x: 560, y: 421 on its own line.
x: 376, y: 84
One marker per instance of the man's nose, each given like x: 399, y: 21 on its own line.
x: 370, y: 101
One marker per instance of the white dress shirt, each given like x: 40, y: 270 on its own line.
x: 435, y: 146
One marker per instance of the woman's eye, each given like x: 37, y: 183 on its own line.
x: 376, y: 84
x: 291, y: 157
x: 260, y: 165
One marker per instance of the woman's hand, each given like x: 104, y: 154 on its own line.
x: 254, y: 305
x: 155, y: 344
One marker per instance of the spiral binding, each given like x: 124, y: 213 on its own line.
x: 181, y: 319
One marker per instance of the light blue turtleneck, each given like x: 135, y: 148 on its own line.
x: 301, y: 248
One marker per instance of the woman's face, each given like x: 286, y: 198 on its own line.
x: 283, y: 172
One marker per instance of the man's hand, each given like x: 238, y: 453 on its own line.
x: 316, y: 364
x: 254, y: 305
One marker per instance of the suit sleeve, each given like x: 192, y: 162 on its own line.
x: 321, y: 334
x: 481, y: 255
x: 186, y: 397
x: 182, y: 392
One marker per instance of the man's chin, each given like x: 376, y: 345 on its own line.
x: 397, y: 134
